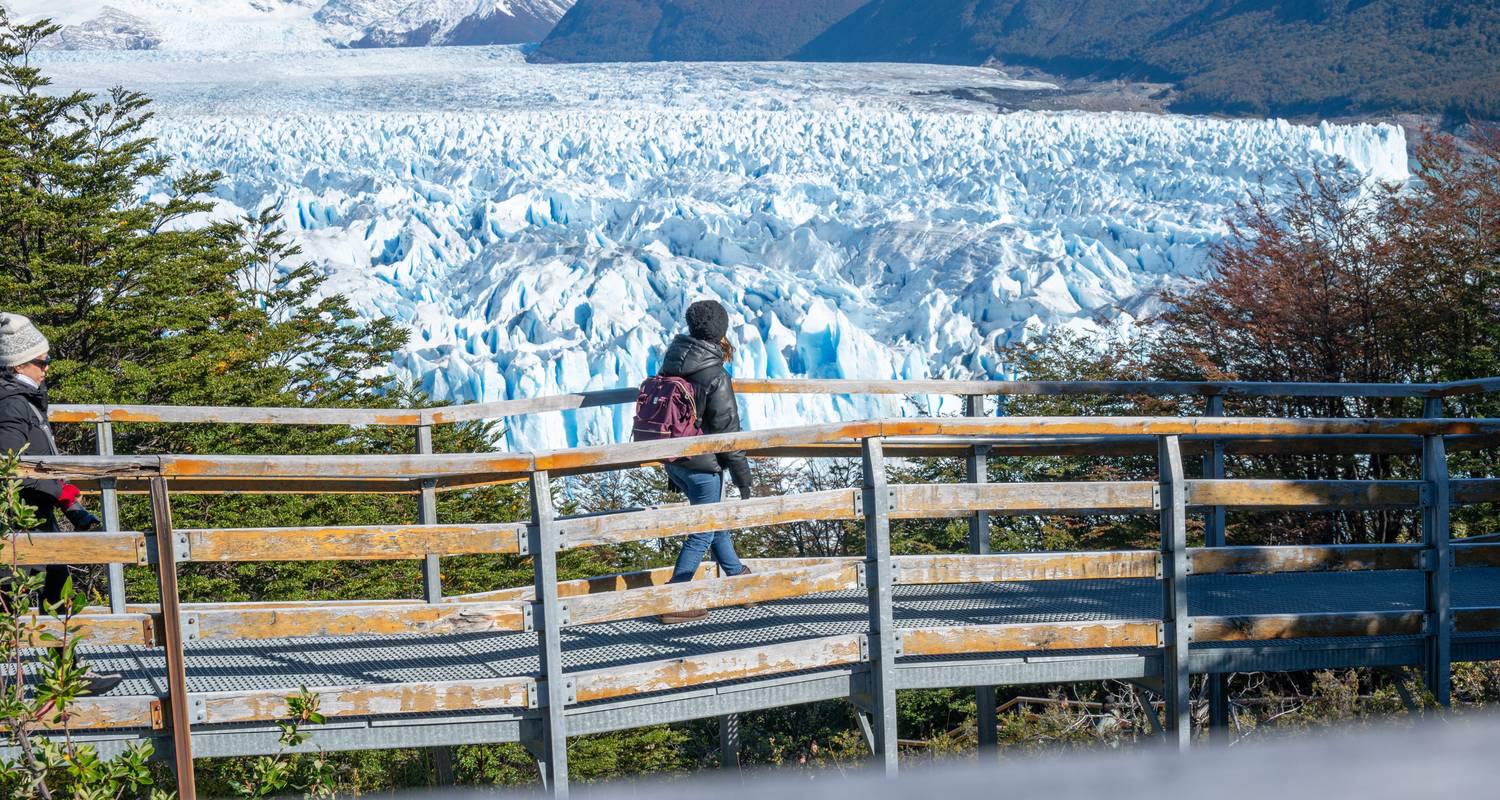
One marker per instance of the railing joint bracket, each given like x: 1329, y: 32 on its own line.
x: 1156, y: 498
x: 182, y: 547
x: 528, y: 617
x: 191, y: 631
x: 198, y: 708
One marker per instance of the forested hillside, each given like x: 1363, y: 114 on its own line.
x: 689, y: 30
x: 1266, y: 56
x: 1283, y: 57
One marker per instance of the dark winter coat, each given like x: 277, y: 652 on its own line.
x: 702, y: 364
x: 23, y: 423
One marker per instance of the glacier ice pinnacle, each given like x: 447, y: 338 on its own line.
x: 541, y: 229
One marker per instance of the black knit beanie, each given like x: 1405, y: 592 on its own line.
x: 707, y: 320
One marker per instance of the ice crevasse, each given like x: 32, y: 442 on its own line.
x: 545, y: 252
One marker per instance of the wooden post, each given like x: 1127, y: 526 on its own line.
x: 977, y: 471
x: 1213, y: 536
x: 109, y: 509
x: 548, y: 615
x: 1436, y: 533
x: 883, y: 637
x: 171, y: 623
x: 1175, y: 619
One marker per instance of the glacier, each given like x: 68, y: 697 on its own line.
x: 541, y: 228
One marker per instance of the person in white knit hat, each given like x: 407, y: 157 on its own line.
x: 25, y: 355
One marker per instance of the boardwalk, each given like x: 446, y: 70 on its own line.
x: 537, y: 664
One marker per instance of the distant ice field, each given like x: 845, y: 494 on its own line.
x: 540, y: 228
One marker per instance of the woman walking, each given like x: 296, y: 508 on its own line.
x: 699, y: 357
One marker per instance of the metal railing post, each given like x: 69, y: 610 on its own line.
x: 729, y: 741
x: 1176, y: 622
x: 432, y: 574
x: 977, y: 471
x: 109, y: 508
x: 548, y: 615
x: 884, y: 639
x: 432, y: 586
x: 1436, y: 532
x: 1213, y: 536
x: 171, y: 623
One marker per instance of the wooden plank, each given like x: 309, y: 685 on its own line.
x: 137, y: 630
x: 1340, y: 558
x: 374, y: 542
x: 40, y: 548
x: 1000, y: 567
x: 106, y: 713
x: 1127, y: 445
x: 1473, y: 491
x: 235, y: 415
x: 1479, y: 554
x: 533, y: 405
x: 728, y: 515
x: 263, y: 486
x: 1310, y: 495
x: 676, y: 673
x: 637, y: 453
x: 172, y: 641
x: 963, y: 499
x: 1075, y: 388
x: 362, y: 466
x: 1268, y: 627
x: 758, y: 587
x: 1476, y: 620
x: 375, y: 700
x: 964, y: 639
x: 634, y: 454
x: 363, y: 620
x: 605, y: 583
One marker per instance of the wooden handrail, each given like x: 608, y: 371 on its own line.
x: 607, y: 397
x: 633, y: 454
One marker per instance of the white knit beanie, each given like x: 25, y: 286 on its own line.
x: 20, y: 341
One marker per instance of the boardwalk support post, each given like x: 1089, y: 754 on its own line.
x: 1435, y: 535
x: 1213, y: 536
x: 432, y: 574
x: 432, y: 586
x: 548, y: 616
x: 109, y: 508
x: 977, y: 471
x: 729, y: 741
x: 171, y: 619
x: 878, y: 581
x: 1176, y: 623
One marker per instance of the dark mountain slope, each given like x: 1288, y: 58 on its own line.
x: 1250, y: 56
x: 689, y: 30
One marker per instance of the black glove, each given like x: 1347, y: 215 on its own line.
x: 745, y: 493
x: 83, y: 520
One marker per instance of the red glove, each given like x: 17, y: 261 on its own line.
x: 69, y: 497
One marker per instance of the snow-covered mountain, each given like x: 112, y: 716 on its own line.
x: 240, y: 25
x: 541, y: 229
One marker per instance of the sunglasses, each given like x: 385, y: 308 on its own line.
x: 43, y: 362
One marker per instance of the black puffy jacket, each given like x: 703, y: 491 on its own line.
x: 23, y: 423
x: 702, y: 364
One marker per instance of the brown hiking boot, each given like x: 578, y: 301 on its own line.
x: 678, y: 617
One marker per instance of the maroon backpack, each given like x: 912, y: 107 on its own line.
x: 665, y: 409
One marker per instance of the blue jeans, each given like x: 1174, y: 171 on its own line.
x: 702, y: 487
